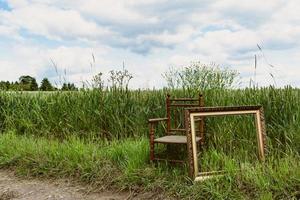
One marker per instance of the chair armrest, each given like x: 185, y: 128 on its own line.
x: 155, y: 120
x: 152, y: 124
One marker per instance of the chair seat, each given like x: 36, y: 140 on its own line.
x: 174, y: 139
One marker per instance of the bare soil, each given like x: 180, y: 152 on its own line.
x: 13, y: 187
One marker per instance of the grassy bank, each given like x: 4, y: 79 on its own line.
x: 123, y: 165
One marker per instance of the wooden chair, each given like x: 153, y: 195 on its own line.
x: 171, y: 135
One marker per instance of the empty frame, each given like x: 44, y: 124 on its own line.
x: 192, y: 113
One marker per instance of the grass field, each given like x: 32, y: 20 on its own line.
x: 101, y: 138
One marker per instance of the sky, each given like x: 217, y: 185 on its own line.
x: 61, y: 39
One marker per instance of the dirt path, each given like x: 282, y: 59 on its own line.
x: 12, y: 187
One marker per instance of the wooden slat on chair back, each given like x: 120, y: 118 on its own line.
x: 175, y: 103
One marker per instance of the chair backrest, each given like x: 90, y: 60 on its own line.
x: 173, y: 118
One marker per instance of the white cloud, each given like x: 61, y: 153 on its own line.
x: 54, y: 23
x: 12, y: 68
x: 71, y: 62
x: 254, y: 6
x: 7, y: 31
x: 115, y: 11
x: 149, y: 35
x: 18, y: 3
x: 222, y: 44
x: 182, y: 34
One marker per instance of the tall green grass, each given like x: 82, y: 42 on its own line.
x: 121, y: 114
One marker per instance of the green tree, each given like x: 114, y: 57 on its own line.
x: 34, y: 86
x: 198, y: 76
x: 46, y: 85
x: 69, y: 87
x: 3, y: 85
x: 28, y: 83
x: 15, y: 86
x: 7, y: 83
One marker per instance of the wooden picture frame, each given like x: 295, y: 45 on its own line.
x: 192, y: 113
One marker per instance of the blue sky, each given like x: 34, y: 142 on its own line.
x: 149, y: 36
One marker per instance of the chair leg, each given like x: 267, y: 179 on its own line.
x: 151, y: 142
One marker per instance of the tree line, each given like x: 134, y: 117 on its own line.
x: 29, y: 83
